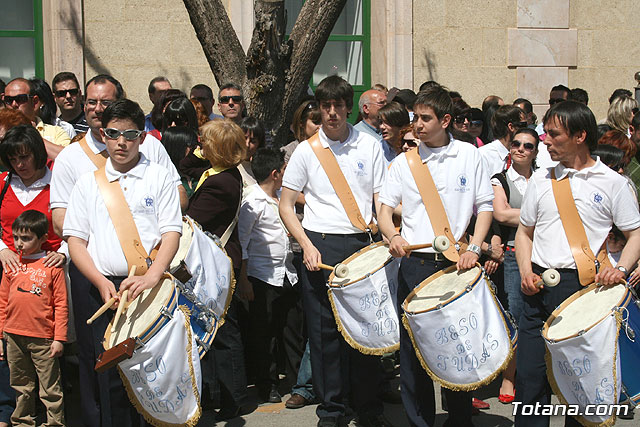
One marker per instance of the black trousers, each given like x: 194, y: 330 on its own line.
x: 338, y: 370
x: 276, y: 324
x: 103, y: 399
x: 416, y: 386
x: 531, y: 382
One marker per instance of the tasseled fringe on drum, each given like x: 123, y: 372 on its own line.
x: 193, y: 421
x: 447, y: 384
x: 362, y: 349
x: 556, y: 390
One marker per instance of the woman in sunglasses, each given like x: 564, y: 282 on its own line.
x: 509, y: 187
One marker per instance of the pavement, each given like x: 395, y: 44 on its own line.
x: 276, y: 415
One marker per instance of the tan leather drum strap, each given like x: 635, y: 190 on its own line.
x: 122, y: 220
x: 432, y: 201
x: 573, y: 228
x: 99, y: 159
x: 339, y: 182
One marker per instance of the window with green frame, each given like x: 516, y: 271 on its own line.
x: 348, y: 50
x: 21, y: 51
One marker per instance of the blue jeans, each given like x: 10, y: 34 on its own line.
x: 512, y: 280
x: 304, y: 386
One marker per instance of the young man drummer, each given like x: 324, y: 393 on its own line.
x: 326, y: 235
x: 463, y: 187
x: 602, y: 198
x: 151, y: 196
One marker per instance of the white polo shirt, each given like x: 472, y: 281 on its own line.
x: 495, y: 156
x: 361, y: 162
x: 72, y: 163
x: 602, y: 198
x: 152, y: 197
x: 463, y: 185
x: 264, y: 240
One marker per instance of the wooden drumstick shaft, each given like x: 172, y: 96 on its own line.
x: 325, y: 266
x: 101, y: 310
x: 123, y: 302
x: 408, y: 248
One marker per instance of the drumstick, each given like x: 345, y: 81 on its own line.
x: 123, y: 302
x: 340, y: 270
x: 440, y: 244
x: 550, y: 278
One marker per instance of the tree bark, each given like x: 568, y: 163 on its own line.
x: 274, y: 74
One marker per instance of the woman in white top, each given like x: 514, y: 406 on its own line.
x: 509, y: 187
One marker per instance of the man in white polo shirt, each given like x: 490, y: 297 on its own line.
x: 602, y: 198
x: 464, y: 187
x: 326, y: 235
x: 504, y: 123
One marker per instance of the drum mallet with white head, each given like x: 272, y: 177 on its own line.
x: 109, y: 303
x: 340, y: 270
x: 440, y: 244
x: 549, y: 278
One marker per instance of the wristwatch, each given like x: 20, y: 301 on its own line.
x: 475, y: 249
x: 624, y: 270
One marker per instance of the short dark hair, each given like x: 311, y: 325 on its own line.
x: 230, y: 85
x: 265, y: 161
x: 152, y: 84
x: 426, y: 85
x: 579, y: 95
x: 335, y: 87
x: 619, y: 93
x: 503, y: 116
x: 528, y: 108
x: 205, y: 88
x: 528, y: 131
x: 33, y: 221
x: 405, y: 97
x: 489, y: 101
x: 561, y: 88
x: 437, y: 98
x: 611, y: 156
x: 181, y: 112
x: 106, y: 78
x: 575, y: 117
x: 23, y: 139
x: 63, y: 77
x: 255, y: 127
x: 394, y: 114
x: 124, y: 109
x: 157, y: 112
x: 177, y: 140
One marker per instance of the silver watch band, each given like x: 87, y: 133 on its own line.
x: 475, y: 249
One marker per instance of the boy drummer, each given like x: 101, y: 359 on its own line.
x: 151, y: 196
x: 463, y: 187
x: 329, y: 236
x: 602, y: 198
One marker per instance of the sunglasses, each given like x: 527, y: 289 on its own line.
x: 476, y: 123
x: 62, y: 93
x: 19, y: 99
x: 129, y: 134
x: 527, y: 145
x: 460, y: 119
x: 556, y: 100
x: 312, y: 105
x: 225, y: 99
x: 410, y: 142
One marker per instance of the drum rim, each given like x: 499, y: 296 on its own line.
x: 623, y: 302
x: 355, y: 255
x: 425, y: 282
x: 167, y: 302
x: 192, y: 224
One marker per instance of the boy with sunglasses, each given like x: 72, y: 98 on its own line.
x: 151, y: 196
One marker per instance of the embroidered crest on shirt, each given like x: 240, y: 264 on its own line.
x: 148, y: 204
x: 463, y: 183
x: 361, y: 166
x: 597, y: 200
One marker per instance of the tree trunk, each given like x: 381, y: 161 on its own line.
x: 275, y: 74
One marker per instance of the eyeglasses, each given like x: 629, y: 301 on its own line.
x: 62, y: 93
x: 461, y: 118
x: 129, y: 134
x: 527, y: 145
x: 556, y: 100
x: 19, y: 99
x: 225, y: 99
x: 93, y: 103
x: 410, y: 142
x: 476, y: 123
x: 519, y: 125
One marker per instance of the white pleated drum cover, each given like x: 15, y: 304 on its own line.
x: 209, y: 265
x: 583, y: 365
x: 163, y: 378
x: 363, y: 302
x: 461, y: 337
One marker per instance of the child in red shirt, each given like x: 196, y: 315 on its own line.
x: 33, y: 321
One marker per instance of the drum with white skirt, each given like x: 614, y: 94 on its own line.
x: 594, y: 351
x: 363, y: 301
x: 206, y: 281
x: 460, y: 332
